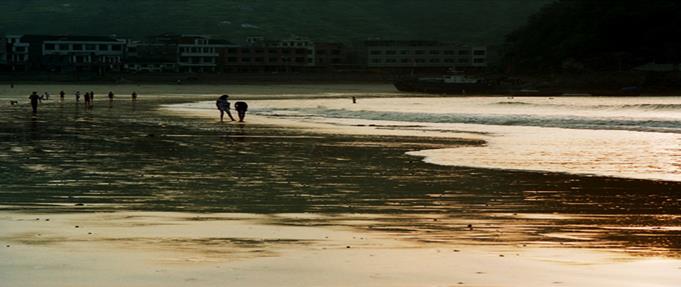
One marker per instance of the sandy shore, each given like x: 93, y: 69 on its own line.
x: 186, y: 249
x: 134, y: 196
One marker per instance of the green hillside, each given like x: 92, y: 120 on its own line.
x: 475, y: 21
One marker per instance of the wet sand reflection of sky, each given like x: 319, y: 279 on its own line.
x: 125, y: 159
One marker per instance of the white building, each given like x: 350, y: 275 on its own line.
x: 17, y: 52
x: 83, y: 52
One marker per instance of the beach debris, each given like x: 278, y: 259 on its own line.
x: 456, y: 250
x: 501, y: 255
x: 347, y: 246
x: 77, y: 226
x: 7, y: 245
x: 79, y: 204
x: 470, y: 227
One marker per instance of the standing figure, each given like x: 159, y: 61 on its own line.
x: 223, y: 106
x: 92, y: 96
x: 61, y: 96
x: 34, y: 101
x: 86, y: 97
x: 47, y: 96
x: 77, y: 96
x: 111, y: 95
x: 134, y: 96
x: 241, y: 108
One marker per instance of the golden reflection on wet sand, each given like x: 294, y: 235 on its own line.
x: 172, y: 249
x: 161, y: 200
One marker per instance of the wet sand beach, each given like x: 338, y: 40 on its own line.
x: 139, y: 195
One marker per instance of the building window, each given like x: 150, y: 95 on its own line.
x: 273, y: 60
x: 49, y: 47
x: 434, y: 52
x: 463, y: 61
x: 77, y: 47
x: 390, y: 52
x: 116, y: 47
x: 419, y: 52
x: 391, y: 61
x: 232, y: 50
x: 420, y: 61
x: 231, y: 60
x: 90, y: 47
x: 245, y: 60
x: 479, y: 60
x: 434, y: 60
x: 63, y: 47
x: 464, y: 52
x: 376, y: 61
x: 375, y: 52
x: 404, y: 52
x: 479, y: 52
x: 103, y: 47
x: 405, y: 60
x: 272, y: 51
x: 449, y: 52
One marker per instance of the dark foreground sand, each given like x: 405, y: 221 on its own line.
x: 130, y: 196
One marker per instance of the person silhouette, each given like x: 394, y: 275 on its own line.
x: 223, y: 106
x: 241, y: 108
x: 34, y: 97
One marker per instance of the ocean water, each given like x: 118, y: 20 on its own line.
x: 628, y: 137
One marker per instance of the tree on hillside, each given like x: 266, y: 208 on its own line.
x: 596, y: 35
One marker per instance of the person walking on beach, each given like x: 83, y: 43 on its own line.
x: 77, y: 96
x: 223, y: 106
x: 134, y: 96
x: 92, y: 96
x: 34, y: 101
x: 241, y: 108
x: 47, y: 96
x: 61, y: 96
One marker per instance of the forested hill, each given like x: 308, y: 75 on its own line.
x: 597, y: 35
x: 484, y: 21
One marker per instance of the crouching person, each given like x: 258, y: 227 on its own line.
x: 241, y: 108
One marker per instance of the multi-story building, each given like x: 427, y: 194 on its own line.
x: 17, y: 53
x: 61, y: 53
x: 433, y: 55
x: 259, y: 55
x: 151, y: 56
x: 332, y: 55
x: 199, y: 54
